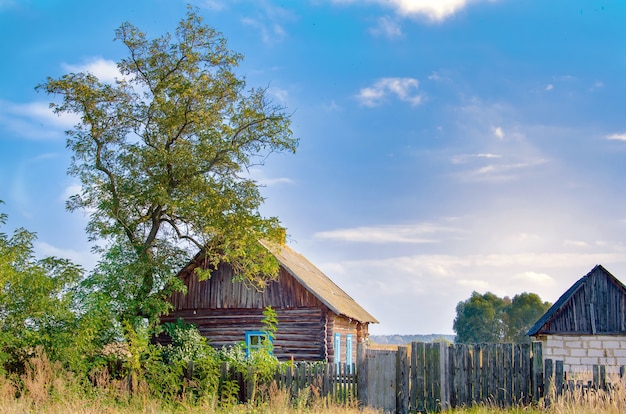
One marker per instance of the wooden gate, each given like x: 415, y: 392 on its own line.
x: 377, y: 378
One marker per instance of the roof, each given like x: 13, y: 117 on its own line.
x: 583, y: 290
x: 318, y: 284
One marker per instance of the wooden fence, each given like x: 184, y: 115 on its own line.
x: 432, y: 377
x: 335, y: 382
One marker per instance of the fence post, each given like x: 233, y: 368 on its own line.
x: 361, y: 373
x: 548, y: 381
x: 402, y: 380
x: 537, y: 371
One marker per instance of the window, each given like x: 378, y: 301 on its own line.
x: 256, y: 340
x: 337, y: 348
x: 349, y: 353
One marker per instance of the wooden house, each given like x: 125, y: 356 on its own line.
x: 317, y: 320
x: 587, y: 325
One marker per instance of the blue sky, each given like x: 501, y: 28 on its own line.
x: 445, y: 146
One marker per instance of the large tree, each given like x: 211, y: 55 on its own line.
x: 479, y: 319
x: 489, y: 318
x: 163, y: 154
x: 525, y: 309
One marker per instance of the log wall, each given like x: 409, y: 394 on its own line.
x: 300, y: 332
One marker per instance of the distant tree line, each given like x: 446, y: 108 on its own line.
x: 489, y: 318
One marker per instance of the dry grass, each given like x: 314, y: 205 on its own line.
x: 46, y: 388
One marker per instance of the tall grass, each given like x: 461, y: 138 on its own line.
x: 45, y: 387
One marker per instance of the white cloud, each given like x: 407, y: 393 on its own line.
x: 402, y: 88
x: 549, y: 87
x: 433, y: 10
x: 498, y: 132
x: 535, y: 279
x: 617, y: 137
x: 386, y: 27
x: 105, y: 70
x: 414, y: 234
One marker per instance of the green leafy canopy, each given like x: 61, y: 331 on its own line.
x: 162, y: 155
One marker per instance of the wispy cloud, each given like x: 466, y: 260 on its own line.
x: 269, y: 20
x: 413, y: 234
x: 501, y: 172
x: 258, y: 175
x: 404, y: 89
x: 386, y: 27
x: 617, y: 137
x: 34, y: 120
x: 279, y: 94
x: 87, y: 259
x: 464, y: 158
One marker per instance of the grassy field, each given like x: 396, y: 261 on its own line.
x: 49, y: 389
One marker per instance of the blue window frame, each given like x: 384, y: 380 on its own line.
x: 349, y: 353
x: 256, y: 340
x: 337, y: 348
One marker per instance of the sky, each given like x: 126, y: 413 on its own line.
x: 446, y: 146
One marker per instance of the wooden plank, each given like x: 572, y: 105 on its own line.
x: 558, y: 378
x: 418, y: 382
x: 454, y: 374
x: 537, y: 371
x: 548, y: 382
x: 507, y: 356
x: 476, y: 377
x: 525, y: 374
x: 444, y: 368
x: 402, y: 380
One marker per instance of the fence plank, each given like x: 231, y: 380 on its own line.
x: 507, y: 360
x: 417, y: 376
x: 537, y: 371
x: 402, y: 380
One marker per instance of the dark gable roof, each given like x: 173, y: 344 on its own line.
x: 578, y: 309
x: 318, y: 283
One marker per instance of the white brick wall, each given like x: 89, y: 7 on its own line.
x: 580, y: 353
